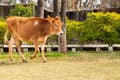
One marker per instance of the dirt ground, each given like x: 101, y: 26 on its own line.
x: 60, y: 69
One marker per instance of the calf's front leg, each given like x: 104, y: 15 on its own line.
x: 36, y: 50
x: 43, y: 54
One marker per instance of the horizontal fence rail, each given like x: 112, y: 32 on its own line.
x: 70, y: 47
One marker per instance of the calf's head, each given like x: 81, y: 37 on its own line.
x: 56, y: 26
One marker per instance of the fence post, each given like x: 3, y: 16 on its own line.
x: 73, y: 49
x: 14, y: 50
x: 1, y: 50
x: 25, y: 49
x: 110, y: 48
x: 97, y: 49
x: 49, y: 49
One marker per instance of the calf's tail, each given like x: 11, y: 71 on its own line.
x: 5, y: 37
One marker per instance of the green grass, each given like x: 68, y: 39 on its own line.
x: 82, y: 55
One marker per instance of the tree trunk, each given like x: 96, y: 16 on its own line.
x: 30, y: 1
x: 62, y: 38
x: 55, y: 8
x: 23, y: 1
x: 40, y: 8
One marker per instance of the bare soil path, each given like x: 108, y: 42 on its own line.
x: 61, y: 69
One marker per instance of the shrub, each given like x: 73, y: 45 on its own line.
x: 20, y: 10
x: 2, y: 31
x: 98, y: 26
x: 75, y: 31
x: 104, y: 26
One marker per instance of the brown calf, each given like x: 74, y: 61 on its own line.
x: 31, y: 29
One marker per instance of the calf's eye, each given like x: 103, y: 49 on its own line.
x: 55, y: 25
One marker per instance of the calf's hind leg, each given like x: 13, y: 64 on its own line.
x: 10, y: 48
x: 17, y: 43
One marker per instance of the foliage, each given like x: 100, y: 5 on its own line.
x: 2, y: 20
x: 98, y: 26
x: 75, y: 31
x: 20, y: 10
x: 2, y: 29
x: 53, y: 40
x: 104, y: 26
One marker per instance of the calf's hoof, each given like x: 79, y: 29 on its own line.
x: 44, y: 60
x: 11, y: 59
x: 24, y: 61
x: 31, y: 57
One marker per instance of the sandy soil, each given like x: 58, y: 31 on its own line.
x: 67, y: 69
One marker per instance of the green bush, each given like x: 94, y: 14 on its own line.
x: 2, y: 31
x: 104, y: 26
x: 97, y: 26
x: 20, y: 10
x: 75, y: 31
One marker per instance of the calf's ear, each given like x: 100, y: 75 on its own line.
x: 48, y: 16
x: 57, y: 18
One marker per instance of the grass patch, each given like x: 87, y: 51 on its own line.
x: 80, y: 55
x: 54, y: 54
x: 3, y: 55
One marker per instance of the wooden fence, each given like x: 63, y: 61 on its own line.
x: 70, y: 47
